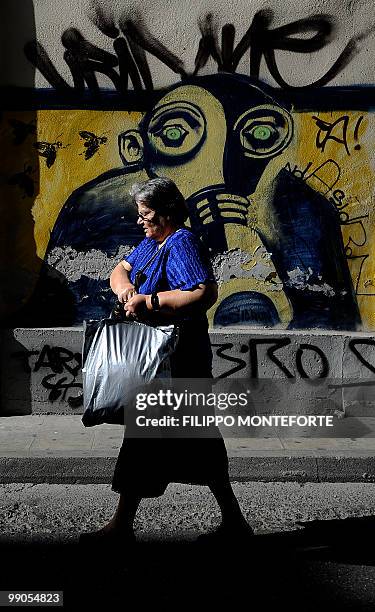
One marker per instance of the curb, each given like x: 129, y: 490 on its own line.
x: 99, y: 470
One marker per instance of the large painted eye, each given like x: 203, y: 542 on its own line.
x: 264, y: 131
x: 256, y: 137
x: 176, y: 129
x: 172, y: 135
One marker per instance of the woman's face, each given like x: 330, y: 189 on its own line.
x: 154, y: 226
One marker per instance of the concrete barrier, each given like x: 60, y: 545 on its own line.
x: 313, y: 371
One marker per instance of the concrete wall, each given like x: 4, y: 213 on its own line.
x: 251, y: 107
x: 312, y: 372
x: 177, y: 26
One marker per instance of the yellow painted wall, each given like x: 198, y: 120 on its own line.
x: 347, y: 166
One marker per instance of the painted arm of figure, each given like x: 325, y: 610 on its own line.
x: 120, y: 282
x: 204, y: 295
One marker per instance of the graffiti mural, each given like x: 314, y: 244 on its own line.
x: 279, y: 190
x: 132, y: 41
x: 246, y: 356
x: 63, y: 372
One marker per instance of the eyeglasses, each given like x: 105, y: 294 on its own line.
x: 145, y: 217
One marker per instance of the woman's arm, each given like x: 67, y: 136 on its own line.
x: 205, y: 295
x: 120, y: 282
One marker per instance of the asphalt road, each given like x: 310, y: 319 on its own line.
x: 313, y: 549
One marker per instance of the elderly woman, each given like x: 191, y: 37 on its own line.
x: 169, y: 274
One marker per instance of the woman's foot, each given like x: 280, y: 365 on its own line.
x: 108, y: 536
x: 228, y: 533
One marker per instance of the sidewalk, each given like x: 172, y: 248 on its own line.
x: 59, y: 449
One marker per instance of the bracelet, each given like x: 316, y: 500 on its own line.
x: 155, y: 301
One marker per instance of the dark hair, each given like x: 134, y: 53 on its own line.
x: 163, y: 196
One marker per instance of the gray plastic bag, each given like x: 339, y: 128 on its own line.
x: 119, y: 359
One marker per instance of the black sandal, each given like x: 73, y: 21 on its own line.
x: 109, y: 539
x: 227, y: 535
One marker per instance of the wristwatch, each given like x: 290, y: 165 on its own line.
x: 155, y: 301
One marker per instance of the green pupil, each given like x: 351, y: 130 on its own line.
x: 262, y: 132
x: 173, y: 133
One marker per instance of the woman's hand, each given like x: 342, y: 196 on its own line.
x: 120, y: 282
x: 127, y: 292
x: 136, y: 305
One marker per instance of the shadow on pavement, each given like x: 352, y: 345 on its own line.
x: 327, y: 565
x: 350, y: 540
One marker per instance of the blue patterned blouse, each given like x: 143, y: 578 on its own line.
x: 181, y: 263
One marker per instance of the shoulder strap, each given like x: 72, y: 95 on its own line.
x: 149, y: 262
x: 140, y: 273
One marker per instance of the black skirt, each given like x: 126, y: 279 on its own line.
x: 144, y: 466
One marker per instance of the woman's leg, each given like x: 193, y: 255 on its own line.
x: 120, y: 527
x: 123, y: 519
x: 232, y: 517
